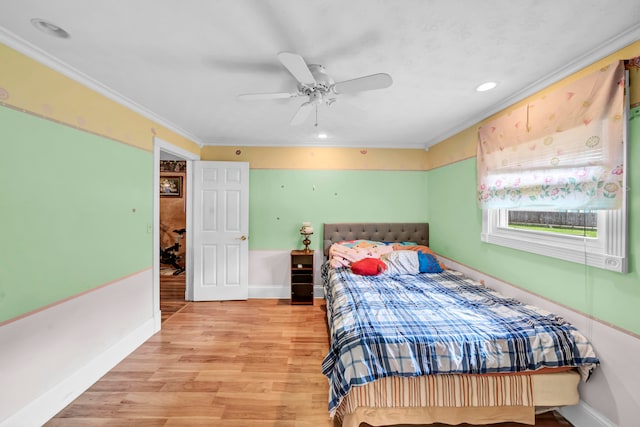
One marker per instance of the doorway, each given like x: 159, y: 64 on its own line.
x: 173, y: 227
x: 233, y: 262
x: 176, y: 289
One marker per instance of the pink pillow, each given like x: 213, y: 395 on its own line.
x: 344, y: 256
x: 368, y: 267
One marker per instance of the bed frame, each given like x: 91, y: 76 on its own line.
x: 549, y: 389
x: 379, y: 231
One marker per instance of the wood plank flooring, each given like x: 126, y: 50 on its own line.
x: 172, y: 294
x: 233, y: 363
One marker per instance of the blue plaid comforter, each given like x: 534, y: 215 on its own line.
x: 437, y: 324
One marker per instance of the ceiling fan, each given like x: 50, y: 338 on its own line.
x: 317, y: 86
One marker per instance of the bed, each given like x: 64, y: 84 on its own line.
x: 411, y: 347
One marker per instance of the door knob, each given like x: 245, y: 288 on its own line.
x: 243, y: 238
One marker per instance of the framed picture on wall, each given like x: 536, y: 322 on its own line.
x: 170, y: 186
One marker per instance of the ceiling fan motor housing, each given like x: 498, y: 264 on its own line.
x: 318, y: 92
x: 324, y: 82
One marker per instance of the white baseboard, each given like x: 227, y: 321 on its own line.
x: 157, y: 321
x: 53, y: 401
x: 583, y: 415
x: 269, y: 292
x: 269, y: 274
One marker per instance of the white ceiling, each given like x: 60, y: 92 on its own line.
x: 184, y: 62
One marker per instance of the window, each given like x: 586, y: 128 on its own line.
x: 607, y: 250
x: 566, y: 150
x: 574, y: 223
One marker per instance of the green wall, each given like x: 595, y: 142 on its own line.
x: 280, y: 200
x: 76, y: 211
x: 456, y: 224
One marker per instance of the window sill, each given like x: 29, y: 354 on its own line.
x: 606, y: 252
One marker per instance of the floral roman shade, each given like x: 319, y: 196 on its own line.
x: 562, y: 151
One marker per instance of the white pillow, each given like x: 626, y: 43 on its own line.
x: 401, y: 262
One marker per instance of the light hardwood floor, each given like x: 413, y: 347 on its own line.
x: 233, y: 363
x: 172, y: 294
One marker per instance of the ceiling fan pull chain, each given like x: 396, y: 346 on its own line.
x: 316, y: 125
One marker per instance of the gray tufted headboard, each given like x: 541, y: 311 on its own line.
x: 380, y: 231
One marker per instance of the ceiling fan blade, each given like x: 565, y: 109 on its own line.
x: 297, y: 67
x: 263, y: 96
x: 372, y: 82
x: 302, y: 114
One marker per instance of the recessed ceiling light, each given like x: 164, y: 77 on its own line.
x: 322, y: 135
x: 49, y: 28
x: 486, y: 86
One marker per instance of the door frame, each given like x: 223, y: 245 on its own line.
x: 161, y: 146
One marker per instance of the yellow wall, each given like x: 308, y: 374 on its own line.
x: 28, y: 86
x: 463, y: 145
x: 320, y: 158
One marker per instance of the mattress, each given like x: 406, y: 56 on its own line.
x: 423, y: 348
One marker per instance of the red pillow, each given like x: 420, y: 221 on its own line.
x: 368, y: 267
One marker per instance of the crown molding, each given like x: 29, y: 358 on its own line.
x: 39, y: 55
x: 605, y: 49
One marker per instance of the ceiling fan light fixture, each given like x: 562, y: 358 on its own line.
x: 50, y: 28
x: 486, y: 86
x: 322, y: 135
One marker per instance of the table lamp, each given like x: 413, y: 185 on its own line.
x: 306, y: 231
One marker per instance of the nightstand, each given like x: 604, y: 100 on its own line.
x: 302, y: 277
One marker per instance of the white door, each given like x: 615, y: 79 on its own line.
x: 220, y: 231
